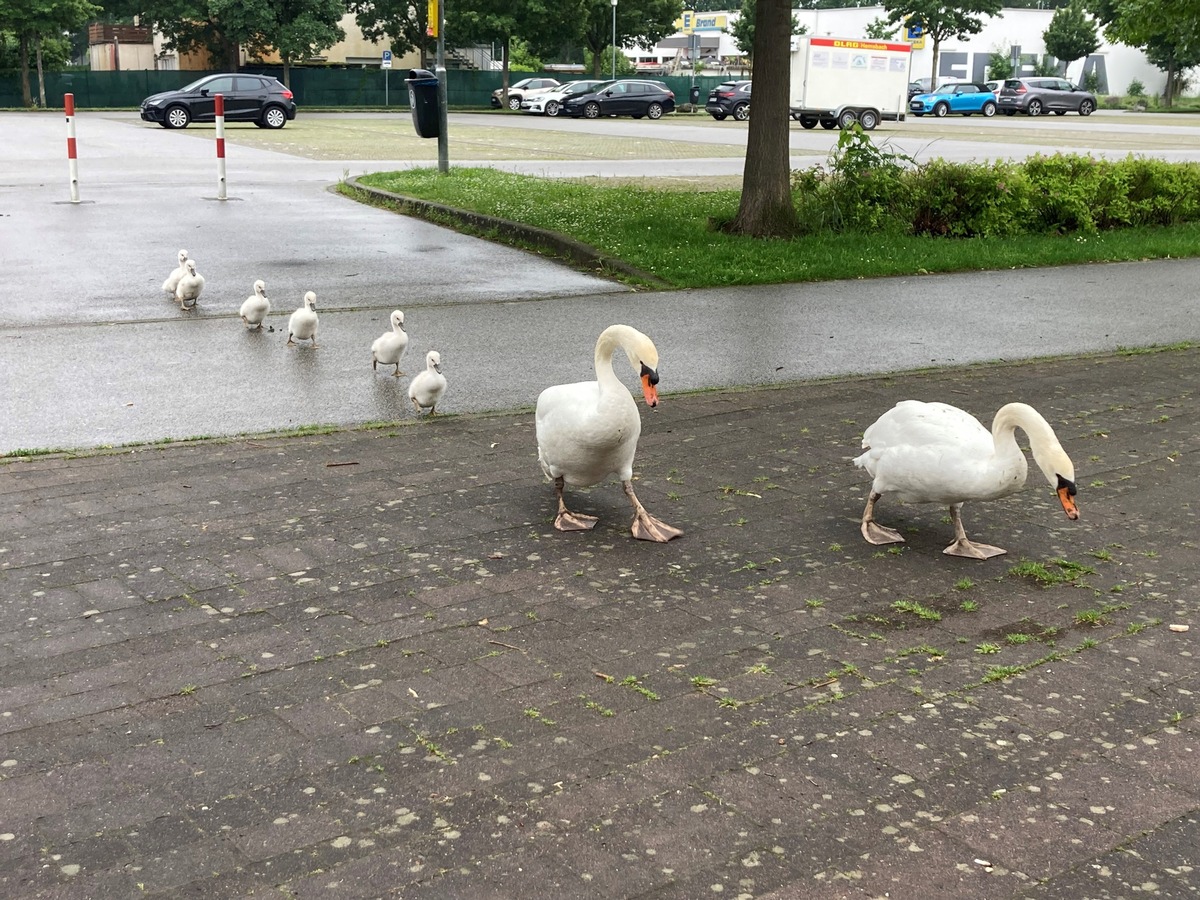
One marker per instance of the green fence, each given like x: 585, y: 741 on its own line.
x: 324, y: 87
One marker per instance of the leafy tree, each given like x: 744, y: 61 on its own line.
x: 402, y: 22
x: 296, y: 29
x: 942, y: 20
x: 186, y: 26
x: 1168, y: 31
x: 624, y: 66
x: 32, y: 21
x: 880, y: 30
x: 644, y: 22
x: 743, y: 29
x: 766, y: 208
x: 1000, y: 66
x: 540, y: 24
x: 1071, y: 35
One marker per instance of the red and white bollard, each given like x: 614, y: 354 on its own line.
x: 72, y: 162
x: 220, y: 111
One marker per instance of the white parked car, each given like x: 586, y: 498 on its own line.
x: 517, y: 92
x: 549, y: 102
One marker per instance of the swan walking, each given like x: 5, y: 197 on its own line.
x: 187, y: 292
x: 178, y: 272
x: 256, y: 307
x: 589, y: 430
x: 427, y: 389
x: 302, y: 326
x: 390, y: 346
x: 936, y: 453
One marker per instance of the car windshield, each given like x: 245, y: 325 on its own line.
x: 581, y: 87
x: 946, y: 89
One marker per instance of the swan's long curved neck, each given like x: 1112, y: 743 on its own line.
x: 611, y: 339
x: 1042, y: 440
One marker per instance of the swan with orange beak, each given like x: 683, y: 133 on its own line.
x: 589, y: 430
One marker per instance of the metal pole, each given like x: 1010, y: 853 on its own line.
x: 440, y: 72
x: 385, y: 87
x: 220, y: 112
x: 614, y: 40
x: 72, y: 162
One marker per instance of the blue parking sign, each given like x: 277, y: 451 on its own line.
x: 387, y: 59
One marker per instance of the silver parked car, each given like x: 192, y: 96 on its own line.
x: 1038, y: 96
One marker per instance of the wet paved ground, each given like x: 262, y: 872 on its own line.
x: 362, y: 664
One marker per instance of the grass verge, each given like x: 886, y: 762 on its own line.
x: 670, y: 234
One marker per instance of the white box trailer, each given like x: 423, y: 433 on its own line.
x: 839, y: 81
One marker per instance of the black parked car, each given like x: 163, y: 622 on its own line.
x: 730, y: 98
x: 622, y: 98
x: 260, y: 99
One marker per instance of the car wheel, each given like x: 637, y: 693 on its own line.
x: 941, y: 109
x: 591, y: 110
x: 1086, y: 108
x: 274, y: 117
x: 989, y: 109
x: 720, y: 117
x: 868, y: 119
x: 177, y: 117
x: 1035, y: 108
x: 514, y: 102
x: 807, y: 123
x: 654, y: 110
x: 847, y: 119
x: 828, y: 124
x: 552, y: 108
x: 741, y: 112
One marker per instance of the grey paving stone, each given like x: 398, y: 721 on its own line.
x: 398, y: 682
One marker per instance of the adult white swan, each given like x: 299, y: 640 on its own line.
x: 589, y: 430
x: 390, y: 346
x: 935, y: 453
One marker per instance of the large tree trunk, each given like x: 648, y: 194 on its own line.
x: 23, y: 62
x: 933, y: 76
x: 41, y: 74
x: 766, y: 208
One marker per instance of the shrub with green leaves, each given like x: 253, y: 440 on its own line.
x: 872, y: 189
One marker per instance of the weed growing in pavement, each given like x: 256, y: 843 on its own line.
x: 916, y: 609
x: 700, y: 682
x: 635, y: 684
x: 968, y: 606
x: 964, y: 584
x: 1090, y: 617
x: 987, y: 649
x: 589, y: 703
x: 1018, y: 638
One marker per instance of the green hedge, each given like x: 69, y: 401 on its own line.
x: 869, y: 189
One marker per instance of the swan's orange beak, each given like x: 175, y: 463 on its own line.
x: 1066, y: 496
x: 649, y: 391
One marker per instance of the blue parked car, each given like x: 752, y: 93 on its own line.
x: 962, y: 98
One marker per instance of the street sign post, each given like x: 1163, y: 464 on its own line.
x: 385, y: 64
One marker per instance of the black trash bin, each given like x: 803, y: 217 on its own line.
x: 423, y: 99
x: 695, y: 97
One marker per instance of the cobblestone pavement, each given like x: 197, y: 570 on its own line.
x: 362, y: 663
